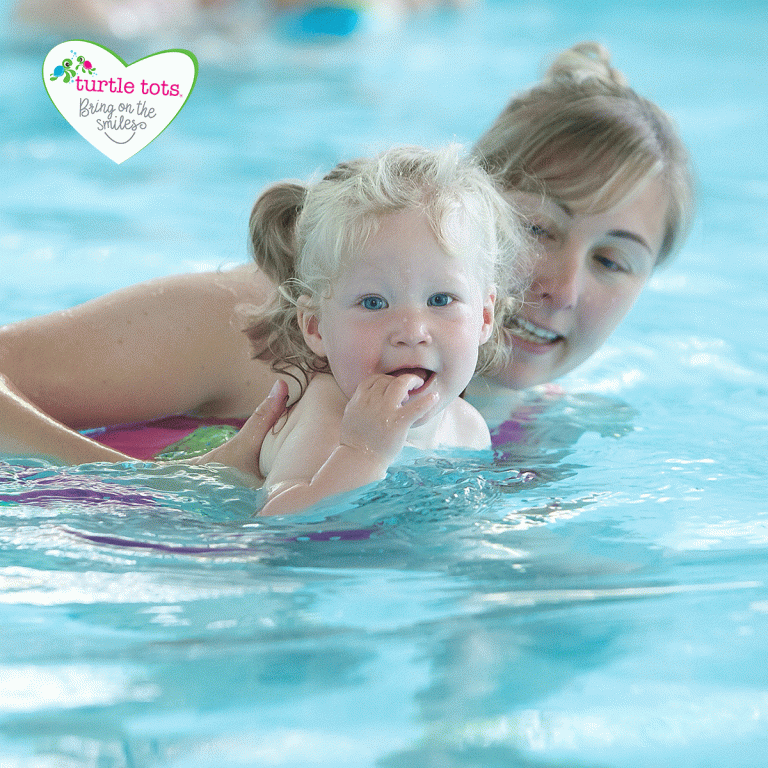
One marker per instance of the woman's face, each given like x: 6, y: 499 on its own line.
x: 591, y: 269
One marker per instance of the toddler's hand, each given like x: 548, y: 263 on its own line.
x: 380, y: 413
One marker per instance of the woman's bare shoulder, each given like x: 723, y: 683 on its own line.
x: 163, y: 346
x: 152, y: 300
x: 240, y: 285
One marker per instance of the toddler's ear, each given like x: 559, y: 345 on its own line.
x: 309, y: 323
x: 486, y: 329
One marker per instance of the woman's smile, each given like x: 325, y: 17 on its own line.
x: 531, y: 332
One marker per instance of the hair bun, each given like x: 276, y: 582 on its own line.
x: 272, y: 225
x: 586, y: 61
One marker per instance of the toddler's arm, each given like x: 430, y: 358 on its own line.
x: 366, y: 438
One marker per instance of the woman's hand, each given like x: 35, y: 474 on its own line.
x: 241, y: 452
x: 381, y: 412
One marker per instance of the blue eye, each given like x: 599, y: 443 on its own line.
x: 373, y: 303
x: 439, y: 300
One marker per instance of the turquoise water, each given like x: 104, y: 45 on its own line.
x: 595, y: 596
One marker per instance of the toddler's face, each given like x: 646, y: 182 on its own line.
x: 404, y: 305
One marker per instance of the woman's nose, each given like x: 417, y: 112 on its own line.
x: 558, y: 278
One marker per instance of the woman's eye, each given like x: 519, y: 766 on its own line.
x: 373, y: 303
x: 439, y: 300
x: 608, y: 263
x: 538, y: 231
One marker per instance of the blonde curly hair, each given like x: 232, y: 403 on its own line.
x: 302, y: 235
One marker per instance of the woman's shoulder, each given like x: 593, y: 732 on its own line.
x: 167, y: 345
x: 154, y: 300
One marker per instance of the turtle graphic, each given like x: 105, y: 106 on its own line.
x: 64, y: 69
x: 85, y: 66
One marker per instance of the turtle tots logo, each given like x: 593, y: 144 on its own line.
x: 69, y: 68
x: 125, y: 106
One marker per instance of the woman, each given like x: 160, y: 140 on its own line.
x: 599, y: 171
x: 606, y: 185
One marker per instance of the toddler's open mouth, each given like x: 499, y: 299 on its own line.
x: 423, y: 373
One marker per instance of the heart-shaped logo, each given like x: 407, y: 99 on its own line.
x: 119, y: 108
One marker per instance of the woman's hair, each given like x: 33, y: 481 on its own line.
x: 302, y: 236
x: 582, y: 135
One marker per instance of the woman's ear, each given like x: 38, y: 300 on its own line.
x: 486, y: 329
x: 309, y: 322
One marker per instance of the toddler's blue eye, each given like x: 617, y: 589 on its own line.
x: 439, y: 300
x: 373, y: 303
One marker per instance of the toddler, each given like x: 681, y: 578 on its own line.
x: 391, y: 272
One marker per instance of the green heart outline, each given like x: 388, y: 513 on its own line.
x: 122, y: 61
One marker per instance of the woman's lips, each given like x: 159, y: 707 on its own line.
x: 531, y: 333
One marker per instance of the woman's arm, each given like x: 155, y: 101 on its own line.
x: 335, y: 446
x: 23, y: 424
x: 163, y: 347
x: 27, y: 430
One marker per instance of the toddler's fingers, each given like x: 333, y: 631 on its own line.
x: 402, y: 386
x: 418, y: 406
x: 390, y: 389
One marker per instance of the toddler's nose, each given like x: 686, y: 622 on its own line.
x: 410, y: 330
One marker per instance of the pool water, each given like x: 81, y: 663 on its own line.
x: 593, y: 595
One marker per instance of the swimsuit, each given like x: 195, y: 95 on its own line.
x: 172, y: 437
x: 177, y: 437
